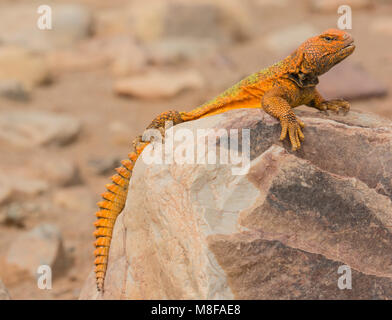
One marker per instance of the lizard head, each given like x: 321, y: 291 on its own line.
x: 319, y: 54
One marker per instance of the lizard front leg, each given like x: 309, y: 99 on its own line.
x: 275, y: 103
x: 334, y: 105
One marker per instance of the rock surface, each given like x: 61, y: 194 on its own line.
x: 283, y: 230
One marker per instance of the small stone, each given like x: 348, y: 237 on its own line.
x: 76, y: 199
x: 288, y: 39
x: 4, y: 294
x: 75, y: 60
x: 13, y: 89
x: 130, y: 59
x: 158, y: 84
x: 272, y: 3
x: 14, y: 215
x: 222, y: 21
x: 24, y: 66
x: 175, y: 50
x: 120, y: 133
x: 104, y: 166
x: 5, y: 194
x: 59, y: 172
x: 39, y: 246
x: 71, y: 23
x: 333, y: 5
x: 19, y: 187
x: 35, y: 128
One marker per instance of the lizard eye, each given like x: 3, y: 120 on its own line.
x: 328, y: 38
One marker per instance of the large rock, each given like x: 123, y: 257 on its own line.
x: 297, y: 225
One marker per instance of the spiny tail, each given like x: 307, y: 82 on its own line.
x: 109, y: 208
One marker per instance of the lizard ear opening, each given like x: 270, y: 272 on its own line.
x: 297, y: 64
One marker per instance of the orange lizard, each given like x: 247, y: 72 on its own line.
x: 277, y: 89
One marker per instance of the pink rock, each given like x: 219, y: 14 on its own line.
x: 281, y: 231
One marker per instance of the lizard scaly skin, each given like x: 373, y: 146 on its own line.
x: 277, y: 89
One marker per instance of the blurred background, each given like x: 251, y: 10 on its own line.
x: 73, y: 98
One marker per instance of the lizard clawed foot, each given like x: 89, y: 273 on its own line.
x: 335, y: 106
x: 292, y: 125
x: 163, y: 122
x: 150, y: 137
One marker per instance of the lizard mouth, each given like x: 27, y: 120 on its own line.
x: 344, y: 52
x: 349, y: 47
x: 347, y: 50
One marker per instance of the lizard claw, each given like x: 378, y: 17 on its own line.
x: 336, y: 105
x: 292, y: 126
